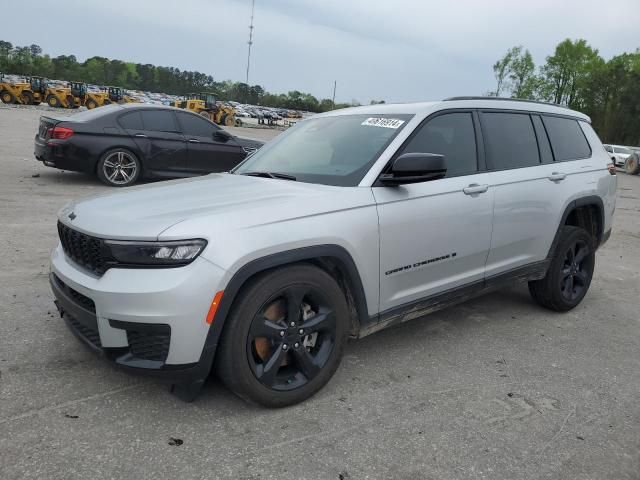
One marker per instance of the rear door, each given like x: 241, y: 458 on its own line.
x: 206, y: 152
x: 158, y: 138
x: 435, y: 235
x: 529, y: 187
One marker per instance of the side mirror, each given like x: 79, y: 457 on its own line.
x: 415, y: 168
x: 221, y: 136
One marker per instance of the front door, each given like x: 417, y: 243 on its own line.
x: 206, y: 152
x: 435, y: 236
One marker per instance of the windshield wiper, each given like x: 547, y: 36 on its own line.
x: 282, y: 176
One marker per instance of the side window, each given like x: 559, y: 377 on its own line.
x: 131, y: 121
x: 510, y: 140
x: 451, y: 135
x: 543, y: 140
x: 159, y: 121
x: 608, y: 148
x: 567, y: 139
x: 195, y: 126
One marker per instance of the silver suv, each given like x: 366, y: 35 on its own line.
x: 349, y: 222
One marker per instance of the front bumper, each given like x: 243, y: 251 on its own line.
x: 149, y: 320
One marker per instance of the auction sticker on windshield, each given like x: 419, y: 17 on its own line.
x: 383, y: 122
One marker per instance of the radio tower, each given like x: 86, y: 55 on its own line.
x: 253, y: 4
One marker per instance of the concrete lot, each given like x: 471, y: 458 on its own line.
x: 496, y: 388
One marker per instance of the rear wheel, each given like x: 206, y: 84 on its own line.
x: 53, y: 101
x: 7, y: 97
x: 285, y: 336
x: 27, y: 98
x: 229, y: 120
x: 569, y: 274
x: 119, y: 168
x: 632, y: 164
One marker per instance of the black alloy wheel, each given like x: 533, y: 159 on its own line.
x: 570, y: 271
x: 291, y: 338
x: 284, y: 336
x: 576, y: 271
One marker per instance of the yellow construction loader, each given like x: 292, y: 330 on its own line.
x: 205, y: 104
x: 33, y: 91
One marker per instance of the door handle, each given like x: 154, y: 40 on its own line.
x: 193, y: 140
x: 140, y: 135
x: 474, y: 188
x: 557, y: 176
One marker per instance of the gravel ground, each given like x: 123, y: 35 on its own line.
x: 496, y: 388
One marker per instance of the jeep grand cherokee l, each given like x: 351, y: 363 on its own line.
x: 349, y: 222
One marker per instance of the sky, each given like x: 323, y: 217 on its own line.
x: 396, y: 50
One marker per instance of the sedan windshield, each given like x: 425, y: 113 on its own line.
x: 336, y: 150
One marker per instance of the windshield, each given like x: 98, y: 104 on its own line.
x: 336, y: 150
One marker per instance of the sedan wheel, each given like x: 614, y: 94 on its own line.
x: 119, y: 168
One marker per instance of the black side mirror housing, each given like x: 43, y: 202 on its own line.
x: 415, y: 168
x: 221, y: 136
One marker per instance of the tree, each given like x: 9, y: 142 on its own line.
x: 566, y: 70
x: 522, y: 74
x: 502, y: 69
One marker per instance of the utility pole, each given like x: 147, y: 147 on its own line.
x: 253, y: 4
x: 333, y: 100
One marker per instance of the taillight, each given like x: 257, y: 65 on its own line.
x: 59, y: 133
x: 612, y: 168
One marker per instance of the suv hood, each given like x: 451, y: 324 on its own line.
x: 144, y: 212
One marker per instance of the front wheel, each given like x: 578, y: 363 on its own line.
x: 7, y: 97
x: 285, y: 336
x: 53, y: 101
x: 569, y: 274
x: 118, y: 168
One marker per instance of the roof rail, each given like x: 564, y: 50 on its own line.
x: 505, y: 99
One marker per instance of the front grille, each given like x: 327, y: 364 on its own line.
x: 148, y: 345
x: 83, y: 249
x: 89, y: 333
x: 79, y: 298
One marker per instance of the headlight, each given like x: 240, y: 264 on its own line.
x: 170, y: 254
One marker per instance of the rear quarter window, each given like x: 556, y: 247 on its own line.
x: 567, y: 138
x: 131, y: 121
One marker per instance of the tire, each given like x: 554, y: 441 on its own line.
x: 569, y: 275
x: 229, y: 120
x: 119, y: 168
x: 632, y: 164
x: 91, y: 104
x: 301, y: 363
x: 53, y: 101
x: 7, y: 97
x: 27, y: 98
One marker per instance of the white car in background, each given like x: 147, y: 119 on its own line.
x: 618, y: 154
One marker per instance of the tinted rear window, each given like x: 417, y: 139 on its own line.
x: 510, y: 140
x: 131, y: 121
x: 159, y: 121
x: 567, y: 139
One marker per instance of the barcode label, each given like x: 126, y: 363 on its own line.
x: 383, y: 122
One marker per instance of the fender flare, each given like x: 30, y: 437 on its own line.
x: 580, y: 202
x: 276, y: 260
